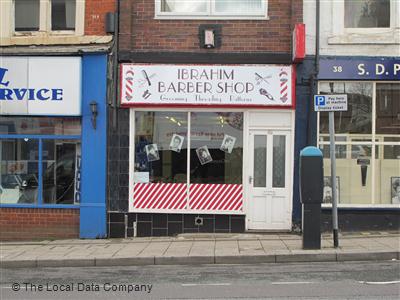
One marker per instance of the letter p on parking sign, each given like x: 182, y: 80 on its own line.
x: 319, y: 100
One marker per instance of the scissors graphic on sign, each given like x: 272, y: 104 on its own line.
x: 260, y: 79
x: 146, y: 79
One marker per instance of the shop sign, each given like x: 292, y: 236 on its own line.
x: 259, y: 85
x: 359, y: 69
x: 40, y: 86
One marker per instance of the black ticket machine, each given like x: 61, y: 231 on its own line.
x: 311, y: 194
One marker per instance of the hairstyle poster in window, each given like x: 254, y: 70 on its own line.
x: 327, y: 192
x: 228, y: 143
x: 204, y: 155
x: 176, y: 143
x: 152, y: 152
x: 395, y: 188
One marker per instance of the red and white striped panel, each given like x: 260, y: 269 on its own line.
x: 216, y: 197
x: 159, y: 195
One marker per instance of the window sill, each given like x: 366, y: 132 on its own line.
x: 362, y: 206
x: 363, y: 37
x: 200, y: 17
x: 61, y: 206
x: 53, y: 39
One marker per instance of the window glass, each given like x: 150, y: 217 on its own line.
x: 161, y: 147
x: 353, y: 178
x: 388, y: 108
x: 358, y: 118
x: 27, y: 15
x: 238, y: 6
x: 366, y: 13
x: 184, y: 6
x: 340, y: 149
x: 260, y: 161
x: 19, y: 171
x: 391, y: 151
x: 60, y: 159
x: 63, y: 14
x: 40, y: 125
x: 216, y: 147
x: 279, y: 158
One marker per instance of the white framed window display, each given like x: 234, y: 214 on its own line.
x: 367, y: 141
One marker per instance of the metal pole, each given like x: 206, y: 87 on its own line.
x: 333, y: 178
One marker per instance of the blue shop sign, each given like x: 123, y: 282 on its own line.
x: 359, y: 69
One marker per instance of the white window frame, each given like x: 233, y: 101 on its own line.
x: 376, y: 141
x: 210, y: 14
x: 45, y: 20
x: 342, y: 35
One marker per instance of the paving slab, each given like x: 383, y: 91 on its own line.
x: 178, y: 248
x: 202, y: 248
x: 226, y: 248
x: 155, y: 249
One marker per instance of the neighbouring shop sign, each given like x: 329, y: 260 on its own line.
x: 40, y: 86
x: 359, y: 69
x: 260, y: 85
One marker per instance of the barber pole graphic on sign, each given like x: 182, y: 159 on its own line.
x: 284, y: 88
x: 127, y: 89
x: 174, y: 196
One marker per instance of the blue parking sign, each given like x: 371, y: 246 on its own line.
x: 320, y: 100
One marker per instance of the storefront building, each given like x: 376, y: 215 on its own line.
x: 367, y: 137
x: 206, y: 129
x: 52, y: 117
x: 356, y: 49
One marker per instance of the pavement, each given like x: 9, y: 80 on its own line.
x: 191, y: 249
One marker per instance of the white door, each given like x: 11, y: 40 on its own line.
x: 269, y: 181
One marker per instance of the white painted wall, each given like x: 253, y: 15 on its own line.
x: 337, y: 40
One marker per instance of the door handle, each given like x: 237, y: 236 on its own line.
x: 250, y: 179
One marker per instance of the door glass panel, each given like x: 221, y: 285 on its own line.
x: 59, y: 171
x: 278, y: 168
x: 260, y: 160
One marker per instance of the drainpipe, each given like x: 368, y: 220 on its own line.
x: 311, y: 120
x: 115, y: 103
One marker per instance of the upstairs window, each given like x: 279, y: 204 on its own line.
x: 63, y: 14
x: 211, y: 8
x: 367, y: 13
x: 32, y: 15
x: 27, y: 15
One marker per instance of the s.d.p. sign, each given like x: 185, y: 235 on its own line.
x: 330, y: 102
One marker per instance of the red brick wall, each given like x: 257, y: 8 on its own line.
x: 139, y: 31
x: 95, y: 13
x: 38, y: 223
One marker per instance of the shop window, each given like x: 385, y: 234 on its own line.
x: 63, y: 14
x: 27, y: 15
x: 216, y: 147
x: 60, y: 159
x: 162, y: 139
x: 161, y: 147
x: 388, y: 108
x: 19, y: 171
x: 40, y: 125
x: 211, y: 8
x: 359, y: 115
x: 367, y: 13
x: 367, y: 168
x: 39, y: 166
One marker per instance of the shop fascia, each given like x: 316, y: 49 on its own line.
x: 261, y: 85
